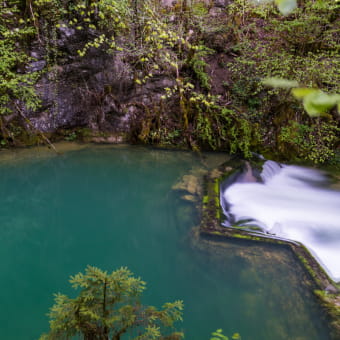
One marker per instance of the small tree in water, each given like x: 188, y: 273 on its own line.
x: 107, y: 307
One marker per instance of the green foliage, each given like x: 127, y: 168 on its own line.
x: 107, y: 307
x: 303, y: 47
x: 220, y: 127
x: 329, y: 302
x: 159, y: 42
x: 108, y: 17
x: 240, y: 10
x: 199, y: 9
x: 16, y: 87
x: 155, y: 44
x: 72, y: 136
x: 218, y: 335
x: 313, y: 141
x: 281, y: 83
x: 20, y: 23
x: 199, y: 65
x: 285, y: 7
x: 315, y: 101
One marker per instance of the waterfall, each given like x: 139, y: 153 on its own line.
x: 291, y: 202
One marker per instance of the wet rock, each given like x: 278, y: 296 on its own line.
x: 66, y: 32
x: 35, y: 55
x: 112, y: 139
x: 215, y: 11
x: 188, y: 183
x: 36, y: 66
x: 97, y: 91
x: 220, y: 3
x: 331, y: 289
x: 190, y: 198
x: 215, y: 173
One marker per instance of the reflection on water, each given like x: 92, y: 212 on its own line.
x: 113, y: 207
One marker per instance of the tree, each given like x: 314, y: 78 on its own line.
x: 109, y: 306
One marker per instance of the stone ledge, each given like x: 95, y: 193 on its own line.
x: 327, y: 290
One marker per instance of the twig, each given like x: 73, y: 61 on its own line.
x: 37, y: 130
x: 36, y: 25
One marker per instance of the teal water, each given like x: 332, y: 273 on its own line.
x: 112, y: 207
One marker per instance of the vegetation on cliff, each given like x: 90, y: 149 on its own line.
x: 208, y: 63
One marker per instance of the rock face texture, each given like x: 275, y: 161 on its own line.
x: 96, y: 91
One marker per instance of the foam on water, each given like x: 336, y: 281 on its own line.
x: 293, y: 202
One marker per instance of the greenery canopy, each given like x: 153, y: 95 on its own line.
x: 108, y: 307
x: 211, y: 63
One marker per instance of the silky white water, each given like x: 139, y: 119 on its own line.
x: 295, y: 203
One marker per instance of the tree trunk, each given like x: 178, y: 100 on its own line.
x: 106, y: 329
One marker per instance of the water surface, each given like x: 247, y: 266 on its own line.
x: 112, y: 207
x: 296, y: 203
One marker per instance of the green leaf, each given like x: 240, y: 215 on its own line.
x: 218, y: 335
x: 310, y: 108
x: 325, y: 101
x: 286, y: 6
x: 280, y: 82
x: 301, y: 92
x: 318, y: 102
x: 315, y: 101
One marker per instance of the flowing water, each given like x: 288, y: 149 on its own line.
x: 112, y: 207
x: 295, y: 203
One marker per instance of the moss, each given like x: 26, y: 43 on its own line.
x: 216, y: 233
x: 216, y: 187
x: 309, y: 269
x: 331, y: 302
x: 27, y: 139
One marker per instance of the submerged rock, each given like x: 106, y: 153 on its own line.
x: 188, y: 183
x: 190, y: 198
x: 191, y: 185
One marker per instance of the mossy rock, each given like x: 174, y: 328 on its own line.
x: 188, y: 183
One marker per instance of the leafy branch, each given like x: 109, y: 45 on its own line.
x: 315, y: 101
